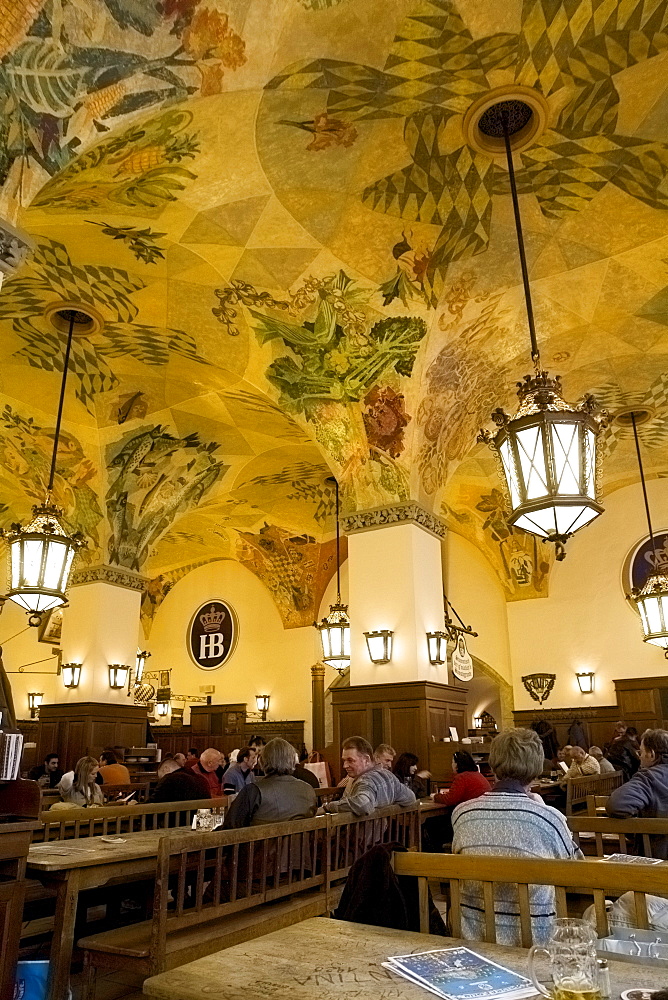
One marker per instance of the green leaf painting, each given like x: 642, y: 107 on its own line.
x: 42, y: 75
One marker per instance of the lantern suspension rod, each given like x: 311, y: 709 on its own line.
x: 59, y: 418
x: 535, y: 353
x: 642, y: 482
x: 338, y: 543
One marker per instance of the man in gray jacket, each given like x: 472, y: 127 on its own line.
x: 372, y: 785
x: 646, y: 794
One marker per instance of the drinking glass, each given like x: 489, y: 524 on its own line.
x: 571, y: 950
x: 205, y: 820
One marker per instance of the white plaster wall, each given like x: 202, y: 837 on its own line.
x: 268, y: 659
x: 473, y: 587
x: 586, y: 623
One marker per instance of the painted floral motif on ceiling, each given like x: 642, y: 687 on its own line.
x: 70, y: 71
x: 51, y: 277
x: 155, y: 478
x: 26, y: 449
x: 436, y: 69
x: 295, y: 569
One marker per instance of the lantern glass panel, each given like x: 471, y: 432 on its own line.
x: 15, y: 549
x: 56, y: 559
x: 532, y: 461
x: 566, y: 452
x: 32, y: 562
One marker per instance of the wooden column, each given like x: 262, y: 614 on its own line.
x: 318, y: 705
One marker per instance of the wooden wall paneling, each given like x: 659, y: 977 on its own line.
x: 600, y: 721
x: 352, y: 722
x: 404, y: 728
x: 87, y: 727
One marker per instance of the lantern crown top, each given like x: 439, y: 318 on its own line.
x: 45, y: 522
x: 656, y: 583
x: 338, y: 615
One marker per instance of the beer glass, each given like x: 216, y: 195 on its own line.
x: 571, y: 950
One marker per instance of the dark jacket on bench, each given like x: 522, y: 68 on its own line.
x: 646, y: 794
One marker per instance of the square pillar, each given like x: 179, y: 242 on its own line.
x: 396, y: 583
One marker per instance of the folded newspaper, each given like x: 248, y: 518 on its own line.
x: 461, y: 974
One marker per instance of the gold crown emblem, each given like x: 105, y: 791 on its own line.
x: 212, y: 619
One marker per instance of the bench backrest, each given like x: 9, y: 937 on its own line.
x: 584, y: 877
x: 70, y: 824
x: 577, y: 789
x: 204, y: 876
x: 141, y: 789
x: 621, y: 835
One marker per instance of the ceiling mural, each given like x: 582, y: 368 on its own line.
x: 300, y: 261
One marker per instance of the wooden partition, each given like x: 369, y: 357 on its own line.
x: 70, y: 824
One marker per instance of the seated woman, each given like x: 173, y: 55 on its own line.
x: 406, y: 771
x: 467, y: 783
x: 511, y: 821
x: 84, y: 791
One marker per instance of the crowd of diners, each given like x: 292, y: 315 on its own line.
x: 503, y: 814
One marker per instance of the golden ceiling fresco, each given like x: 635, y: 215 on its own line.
x: 300, y: 262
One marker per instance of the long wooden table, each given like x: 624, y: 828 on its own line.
x: 321, y: 959
x: 70, y: 867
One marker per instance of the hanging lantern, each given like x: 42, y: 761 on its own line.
x: 335, y: 627
x: 41, y: 555
x: 140, y: 663
x: 548, y: 457
x: 548, y: 449
x: 651, y: 599
x: 40, y: 560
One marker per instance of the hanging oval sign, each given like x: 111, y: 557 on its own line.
x: 645, y: 559
x: 462, y: 664
x: 212, y: 634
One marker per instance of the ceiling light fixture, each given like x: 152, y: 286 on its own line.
x: 651, y: 599
x: 547, y: 451
x: 379, y: 645
x: 41, y: 554
x: 335, y: 627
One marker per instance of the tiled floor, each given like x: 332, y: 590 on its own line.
x: 116, y: 986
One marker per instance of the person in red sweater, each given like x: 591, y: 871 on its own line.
x: 467, y: 783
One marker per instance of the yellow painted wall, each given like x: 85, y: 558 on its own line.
x: 586, y: 623
x: 268, y: 659
x: 473, y: 587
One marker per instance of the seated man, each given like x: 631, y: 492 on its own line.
x: 111, y: 771
x: 384, y: 755
x: 209, y: 766
x: 513, y: 822
x: 372, y: 785
x: 276, y: 796
x: 582, y: 763
x: 48, y: 774
x: 240, y: 774
x: 646, y: 794
x: 179, y: 784
x: 603, y: 762
x: 192, y: 756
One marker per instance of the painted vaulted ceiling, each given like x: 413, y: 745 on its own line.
x: 298, y: 262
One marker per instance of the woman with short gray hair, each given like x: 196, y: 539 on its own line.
x: 275, y: 797
x: 511, y: 821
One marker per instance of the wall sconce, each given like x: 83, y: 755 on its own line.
x: 162, y: 708
x: 118, y: 675
x: 477, y: 722
x: 437, y: 645
x: 71, y: 674
x: 35, y: 699
x: 586, y: 682
x: 379, y: 645
x: 140, y: 663
x: 262, y: 702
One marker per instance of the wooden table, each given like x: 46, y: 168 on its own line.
x: 70, y: 867
x: 321, y: 959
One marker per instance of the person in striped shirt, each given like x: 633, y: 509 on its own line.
x: 582, y: 763
x: 511, y: 821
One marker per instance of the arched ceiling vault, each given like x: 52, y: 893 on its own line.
x: 298, y: 264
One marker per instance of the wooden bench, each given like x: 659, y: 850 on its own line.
x: 68, y: 824
x: 209, y: 887
x: 592, y: 877
x: 618, y: 836
x: 578, y: 789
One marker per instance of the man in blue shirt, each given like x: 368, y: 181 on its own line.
x: 240, y: 774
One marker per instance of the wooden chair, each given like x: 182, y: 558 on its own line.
x: 577, y: 789
x: 596, y: 805
x: 597, y: 878
x: 141, y: 789
x: 619, y: 836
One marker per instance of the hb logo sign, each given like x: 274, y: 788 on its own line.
x: 212, y: 634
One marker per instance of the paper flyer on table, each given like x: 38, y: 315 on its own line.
x: 461, y: 974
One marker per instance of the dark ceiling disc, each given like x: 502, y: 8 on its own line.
x: 331, y: 479
x: 517, y: 114
x: 76, y: 316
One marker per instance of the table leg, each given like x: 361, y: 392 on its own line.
x: 62, y: 942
